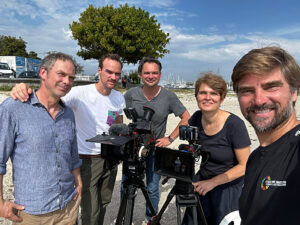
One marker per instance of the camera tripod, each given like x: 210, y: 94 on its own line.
x: 185, y: 197
x: 130, y: 185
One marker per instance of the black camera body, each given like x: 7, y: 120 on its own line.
x: 130, y: 144
x: 180, y: 164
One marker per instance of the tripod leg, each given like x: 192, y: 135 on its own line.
x: 122, y: 208
x: 146, y: 195
x: 178, y: 213
x: 200, y: 211
x: 126, y: 207
x: 195, y: 218
x: 130, y: 205
x: 157, y: 218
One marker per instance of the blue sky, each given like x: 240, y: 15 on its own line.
x: 206, y: 35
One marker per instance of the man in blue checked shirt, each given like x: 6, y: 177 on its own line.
x: 40, y: 138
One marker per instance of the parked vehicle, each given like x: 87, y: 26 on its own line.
x: 29, y: 74
x: 5, y: 70
x: 20, y: 64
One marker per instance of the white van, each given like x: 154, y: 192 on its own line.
x: 5, y: 71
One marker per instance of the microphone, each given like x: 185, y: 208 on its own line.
x: 118, y: 129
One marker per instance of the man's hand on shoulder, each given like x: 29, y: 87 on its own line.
x: 21, y: 92
x: 9, y: 210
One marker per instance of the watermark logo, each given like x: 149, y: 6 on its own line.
x: 263, y: 183
x: 267, y: 182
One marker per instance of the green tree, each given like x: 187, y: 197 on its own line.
x: 134, y: 76
x: 33, y: 55
x: 127, y: 31
x: 11, y: 46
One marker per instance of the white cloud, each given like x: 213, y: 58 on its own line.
x: 288, y: 31
x: 212, y: 48
x: 160, y: 3
x: 186, y: 45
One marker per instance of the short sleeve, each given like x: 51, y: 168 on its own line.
x: 128, y: 99
x: 71, y: 99
x: 176, y: 105
x: 195, y: 119
x: 122, y: 105
x: 238, y: 133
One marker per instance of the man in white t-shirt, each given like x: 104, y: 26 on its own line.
x: 96, y: 108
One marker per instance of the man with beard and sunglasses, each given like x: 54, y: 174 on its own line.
x: 96, y: 107
x: 267, y: 81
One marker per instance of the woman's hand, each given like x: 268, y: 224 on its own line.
x: 204, y: 186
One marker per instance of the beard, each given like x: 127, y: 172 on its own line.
x: 262, y: 125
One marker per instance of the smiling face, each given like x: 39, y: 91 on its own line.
x: 208, y: 99
x: 266, y: 100
x: 58, y: 80
x: 150, y: 74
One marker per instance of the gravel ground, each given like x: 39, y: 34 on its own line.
x: 230, y: 104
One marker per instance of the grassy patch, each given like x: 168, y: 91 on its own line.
x: 5, y: 88
x: 8, y: 88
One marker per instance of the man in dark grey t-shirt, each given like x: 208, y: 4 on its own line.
x: 163, y: 102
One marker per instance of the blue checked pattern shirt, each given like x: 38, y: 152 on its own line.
x: 43, y: 152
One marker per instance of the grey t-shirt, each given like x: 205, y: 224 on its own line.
x: 165, y: 103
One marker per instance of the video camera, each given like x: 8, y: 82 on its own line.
x: 130, y: 144
x: 180, y: 164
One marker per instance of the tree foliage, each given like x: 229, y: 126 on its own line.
x: 127, y: 31
x: 134, y: 76
x: 33, y: 55
x: 12, y: 46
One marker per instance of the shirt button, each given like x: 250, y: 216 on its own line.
x: 56, y: 135
x: 56, y: 150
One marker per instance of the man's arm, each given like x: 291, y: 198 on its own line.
x: 8, y: 209
x: 21, y: 92
x: 163, y: 142
x: 78, y: 182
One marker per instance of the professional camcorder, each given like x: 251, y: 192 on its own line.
x: 130, y: 144
x: 180, y: 164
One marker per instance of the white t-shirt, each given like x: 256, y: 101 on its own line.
x: 94, y: 114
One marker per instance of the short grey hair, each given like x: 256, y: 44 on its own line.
x: 49, y: 61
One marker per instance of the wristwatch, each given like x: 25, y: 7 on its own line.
x: 170, y: 139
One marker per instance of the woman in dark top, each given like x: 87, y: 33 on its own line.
x: 223, y: 134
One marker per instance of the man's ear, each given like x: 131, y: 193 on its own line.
x: 99, y: 71
x: 43, y: 73
x: 294, y: 96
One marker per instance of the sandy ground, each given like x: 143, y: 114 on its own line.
x: 230, y: 104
